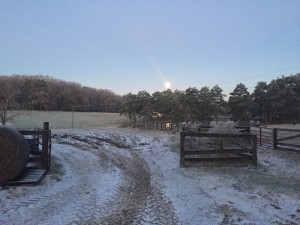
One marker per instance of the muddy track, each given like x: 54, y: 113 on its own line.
x: 81, y: 197
x: 136, y: 200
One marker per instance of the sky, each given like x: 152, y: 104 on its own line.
x: 136, y: 45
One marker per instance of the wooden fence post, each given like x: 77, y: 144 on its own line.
x: 45, y: 146
x: 254, y: 151
x: 182, y: 149
x: 275, y: 134
x: 260, y: 136
x: 248, y: 130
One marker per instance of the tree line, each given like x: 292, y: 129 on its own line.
x: 23, y: 92
x: 274, y: 102
x: 197, y: 105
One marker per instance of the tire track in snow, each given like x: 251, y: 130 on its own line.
x: 72, y: 200
x: 136, y: 201
x: 76, y: 204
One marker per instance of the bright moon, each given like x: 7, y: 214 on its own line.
x: 167, y: 85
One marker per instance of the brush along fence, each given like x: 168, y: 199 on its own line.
x: 215, y: 148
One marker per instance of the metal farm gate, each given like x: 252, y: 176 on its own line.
x: 265, y: 136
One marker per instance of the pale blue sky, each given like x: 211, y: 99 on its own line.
x: 128, y: 46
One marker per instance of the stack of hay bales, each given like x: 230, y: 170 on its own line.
x: 14, y: 153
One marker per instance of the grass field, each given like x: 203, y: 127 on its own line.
x: 65, y: 120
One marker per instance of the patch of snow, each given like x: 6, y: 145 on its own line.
x: 266, y: 194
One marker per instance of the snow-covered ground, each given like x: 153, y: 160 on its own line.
x: 127, y: 176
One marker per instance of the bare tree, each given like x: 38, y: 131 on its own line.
x: 8, y: 93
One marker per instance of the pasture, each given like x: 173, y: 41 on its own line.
x: 65, y: 120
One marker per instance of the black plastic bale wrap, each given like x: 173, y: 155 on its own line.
x: 14, y: 153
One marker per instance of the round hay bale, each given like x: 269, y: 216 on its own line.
x: 14, y: 153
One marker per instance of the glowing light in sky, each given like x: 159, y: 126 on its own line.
x: 167, y: 85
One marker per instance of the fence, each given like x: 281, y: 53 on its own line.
x: 213, y: 148
x: 168, y: 126
x: 271, y: 138
x: 277, y: 138
x: 39, y: 141
x: 156, y: 125
x: 287, y: 139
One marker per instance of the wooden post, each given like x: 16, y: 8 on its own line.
x: 72, y: 117
x: 275, y: 133
x: 45, y: 146
x: 260, y: 136
x: 254, y: 151
x: 248, y: 130
x: 182, y: 149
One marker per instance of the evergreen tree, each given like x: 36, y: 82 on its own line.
x: 259, y: 107
x: 239, y: 104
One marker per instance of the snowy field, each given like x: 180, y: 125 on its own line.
x: 129, y: 176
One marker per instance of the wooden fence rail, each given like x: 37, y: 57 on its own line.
x: 287, y: 139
